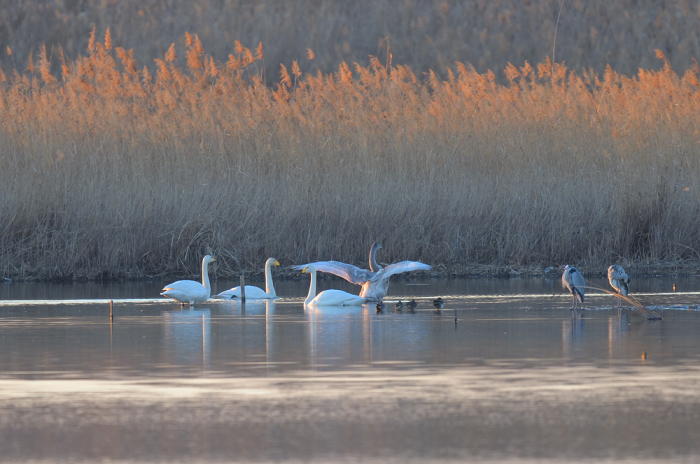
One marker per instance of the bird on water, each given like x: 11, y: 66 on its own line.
x: 619, y: 280
x: 190, y: 291
x: 374, y: 281
x: 572, y: 280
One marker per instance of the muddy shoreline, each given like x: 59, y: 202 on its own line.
x: 438, y: 271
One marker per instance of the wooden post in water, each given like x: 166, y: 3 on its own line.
x: 111, y: 314
x: 243, y: 286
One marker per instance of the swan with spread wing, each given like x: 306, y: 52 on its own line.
x: 374, y: 281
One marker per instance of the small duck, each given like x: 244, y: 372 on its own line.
x: 400, y: 307
x: 438, y: 304
x: 380, y: 307
x: 411, y: 305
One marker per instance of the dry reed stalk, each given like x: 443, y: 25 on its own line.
x: 108, y: 172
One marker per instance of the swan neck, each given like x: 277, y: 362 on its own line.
x: 269, y: 286
x: 312, y: 288
x: 205, y: 277
x: 373, y: 266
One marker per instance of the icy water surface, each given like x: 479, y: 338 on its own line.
x: 518, y: 378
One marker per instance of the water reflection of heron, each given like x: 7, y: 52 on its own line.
x: 618, y: 326
x: 573, y: 333
x: 188, y: 335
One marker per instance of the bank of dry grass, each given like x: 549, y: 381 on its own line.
x: 111, y: 170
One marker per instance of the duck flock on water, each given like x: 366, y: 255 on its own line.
x: 375, y: 283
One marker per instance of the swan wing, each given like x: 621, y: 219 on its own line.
x: 398, y: 268
x: 185, y: 291
x: 352, y: 274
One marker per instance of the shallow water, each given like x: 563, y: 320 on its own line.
x: 518, y: 378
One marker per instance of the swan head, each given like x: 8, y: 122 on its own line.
x: 271, y: 262
x: 208, y: 259
x: 308, y: 269
x: 376, y: 246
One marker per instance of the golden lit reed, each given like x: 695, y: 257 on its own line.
x: 112, y: 168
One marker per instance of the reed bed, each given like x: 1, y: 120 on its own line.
x: 110, y: 170
x: 422, y: 34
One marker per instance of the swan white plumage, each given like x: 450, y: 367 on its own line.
x: 374, y: 282
x: 573, y: 281
x: 619, y: 280
x: 254, y: 293
x: 189, y: 291
x: 329, y: 297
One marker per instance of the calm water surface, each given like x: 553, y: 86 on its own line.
x: 519, y: 377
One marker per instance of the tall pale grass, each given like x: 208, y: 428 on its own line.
x: 111, y: 170
x: 423, y: 34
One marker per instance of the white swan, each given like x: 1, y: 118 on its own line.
x: 251, y: 292
x: 189, y: 291
x: 329, y: 297
x: 375, y: 282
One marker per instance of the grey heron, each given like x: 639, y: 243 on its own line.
x: 619, y: 280
x: 573, y: 281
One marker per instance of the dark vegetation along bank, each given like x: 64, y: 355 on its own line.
x: 117, y: 167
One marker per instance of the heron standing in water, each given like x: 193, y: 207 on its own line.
x: 572, y: 280
x: 619, y: 280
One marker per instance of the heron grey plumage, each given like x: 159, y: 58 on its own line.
x: 573, y: 281
x: 619, y: 280
x: 374, y: 281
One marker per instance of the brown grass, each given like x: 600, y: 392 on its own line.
x: 112, y: 170
x: 422, y: 34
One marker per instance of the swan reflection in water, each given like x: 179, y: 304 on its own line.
x: 187, y: 336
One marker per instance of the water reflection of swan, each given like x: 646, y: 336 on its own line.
x: 188, y: 335
x: 619, y: 280
x: 251, y: 292
x: 572, y: 280
x: 329, y: 297
x: 375, y: 281
x: 189, y: 291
